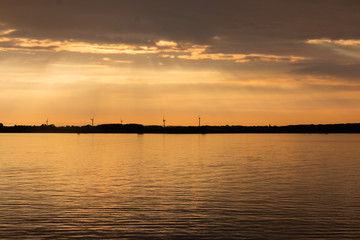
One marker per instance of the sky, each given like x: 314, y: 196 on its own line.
x: 235, y: 62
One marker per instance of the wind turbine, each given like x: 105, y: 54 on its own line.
x: 199, y: 121
x: 164, y: 122
x: 92, y: 121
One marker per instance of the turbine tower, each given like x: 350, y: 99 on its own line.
x: 164, y: 122
x: 199, y: 121
x: 47, y: 122
x: 92, y: 121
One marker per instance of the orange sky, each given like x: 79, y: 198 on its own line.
x: 235, y: 62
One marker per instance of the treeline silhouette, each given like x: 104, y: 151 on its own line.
x: 138, y: 128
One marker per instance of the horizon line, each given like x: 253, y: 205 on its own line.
x: 155, y: 125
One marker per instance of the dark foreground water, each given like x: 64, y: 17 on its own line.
x: 241, y: 186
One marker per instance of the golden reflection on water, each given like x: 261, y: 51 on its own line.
x: 170, y: 186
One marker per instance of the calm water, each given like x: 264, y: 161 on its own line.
x: 240, y: 186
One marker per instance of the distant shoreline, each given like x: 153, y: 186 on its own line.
x: 141, y: 129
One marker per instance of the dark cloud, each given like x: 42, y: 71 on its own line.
x: 246, y: 22
x: 330, y: 70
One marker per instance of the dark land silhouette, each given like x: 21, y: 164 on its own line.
x: 138, y: 128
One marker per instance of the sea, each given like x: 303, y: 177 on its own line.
x: 179, y: 186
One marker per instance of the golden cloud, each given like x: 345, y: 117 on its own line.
x: 342, y: 42
x: 198, y: 53
x: 7, y: 31
x: 165, y: 49
x: 163, y: 43
x: 73, y: 46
